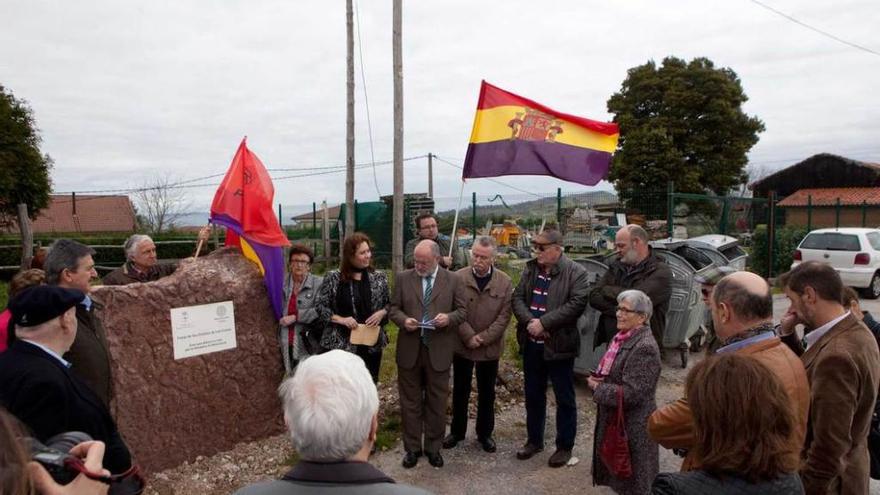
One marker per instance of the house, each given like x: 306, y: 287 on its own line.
x: 826, y: 190
x: 307, y: 220
x: 84, y: 214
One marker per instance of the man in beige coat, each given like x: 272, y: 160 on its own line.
x: 487, y: 292
x: 427, y: 306
x: 843, y: 367
x: 742, y: 313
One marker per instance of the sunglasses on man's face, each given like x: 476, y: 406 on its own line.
x: 706, y: 291
x: 541, y: 247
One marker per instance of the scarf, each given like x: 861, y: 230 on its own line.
x: 607, y: 361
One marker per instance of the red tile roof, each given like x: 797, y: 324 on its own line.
x: 849, y: 196
x: 93, y: 214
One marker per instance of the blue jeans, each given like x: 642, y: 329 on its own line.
x: 561, y: 375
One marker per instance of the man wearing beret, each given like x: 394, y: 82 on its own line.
x: 36, y: 383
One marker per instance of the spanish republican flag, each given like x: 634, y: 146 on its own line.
x: 513, y: 135
x: 243, y: 204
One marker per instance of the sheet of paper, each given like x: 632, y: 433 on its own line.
x: 202, y: 329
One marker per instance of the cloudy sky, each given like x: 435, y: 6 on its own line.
x: 125, y: 91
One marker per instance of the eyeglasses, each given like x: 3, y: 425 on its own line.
x: 621, y: 309
x: 541, y: 247
x: 706, y: 291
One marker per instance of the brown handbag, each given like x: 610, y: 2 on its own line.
x: 614, y: 450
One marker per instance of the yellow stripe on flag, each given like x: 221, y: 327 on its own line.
x: 492, y: 124
x: 249, y: 253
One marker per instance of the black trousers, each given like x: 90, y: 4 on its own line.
x: 487, y: 372
x: 373, y: 360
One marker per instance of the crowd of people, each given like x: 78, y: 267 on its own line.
x: 774, y: 407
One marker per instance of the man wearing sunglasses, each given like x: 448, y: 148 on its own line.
x: 635, y: 268
x: 551, y: 295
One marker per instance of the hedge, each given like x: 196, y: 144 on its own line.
x: 111, y: 256
x: 787, y: 240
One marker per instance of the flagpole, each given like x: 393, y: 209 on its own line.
x: 455, y: 222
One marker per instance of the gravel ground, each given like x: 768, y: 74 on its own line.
x: 468, y: 469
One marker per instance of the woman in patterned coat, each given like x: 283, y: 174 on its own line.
x: 300, y: 289
x: 353, y: 295
x: 631, y: 363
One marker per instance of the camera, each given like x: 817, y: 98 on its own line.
x: 54, y: 454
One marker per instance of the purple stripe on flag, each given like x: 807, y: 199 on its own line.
x: 517, y: 157
x: 272, y: 259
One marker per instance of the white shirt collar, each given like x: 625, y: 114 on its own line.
x: 817, y: 334
x: 488, y: 274
x: 48, y: 351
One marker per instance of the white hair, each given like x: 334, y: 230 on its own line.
x: 132, y: 243
x: 329, y: 405
x: 640, y: 301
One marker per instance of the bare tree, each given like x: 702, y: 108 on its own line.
x: 159, y: 204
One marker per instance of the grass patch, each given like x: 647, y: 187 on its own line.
x: 389, y: 432
x: 388, y: 369
x: 291, y: 460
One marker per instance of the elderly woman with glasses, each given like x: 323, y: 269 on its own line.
x: 300, y: 291
x: 630, y: 366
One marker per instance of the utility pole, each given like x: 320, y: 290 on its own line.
x: 397, y: 65
x: 430, y: 176
x: 349, y: 120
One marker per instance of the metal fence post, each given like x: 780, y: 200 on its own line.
x: 280, y: 223
x: 809, y: 212
x: 837, y: 213
x: 725, y: 214
x: 559, y: 208
x: 670, y: 192
x: 771, y: 232
x: 314, y: 220
x: 474, y: 215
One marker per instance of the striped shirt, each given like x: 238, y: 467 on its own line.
x: 539, y: 298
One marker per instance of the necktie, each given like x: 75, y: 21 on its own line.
x: 426, y: 299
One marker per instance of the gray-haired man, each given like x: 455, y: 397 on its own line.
x: 141, y: 262
x: 487, y: 292
x: 331, y: 408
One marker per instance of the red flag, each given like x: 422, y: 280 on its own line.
x: 245, y: 197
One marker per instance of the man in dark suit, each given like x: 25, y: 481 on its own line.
x: 427, y: 306
x: 843, y: 367
x: 36, y: 384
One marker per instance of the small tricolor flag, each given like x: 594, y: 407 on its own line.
x: 513, y: 135
x: 243, y: 204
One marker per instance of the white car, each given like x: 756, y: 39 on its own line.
x: 853, y: 252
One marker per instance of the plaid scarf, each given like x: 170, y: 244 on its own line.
x: 604, y: 368
x: 763, y: 327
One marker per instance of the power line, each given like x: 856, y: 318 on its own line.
x: 187, y: 184
x: 811, y: 28
x: 357, y: 17
x: 493, y: 180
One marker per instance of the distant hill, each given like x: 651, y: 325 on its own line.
x: 537, y: 207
